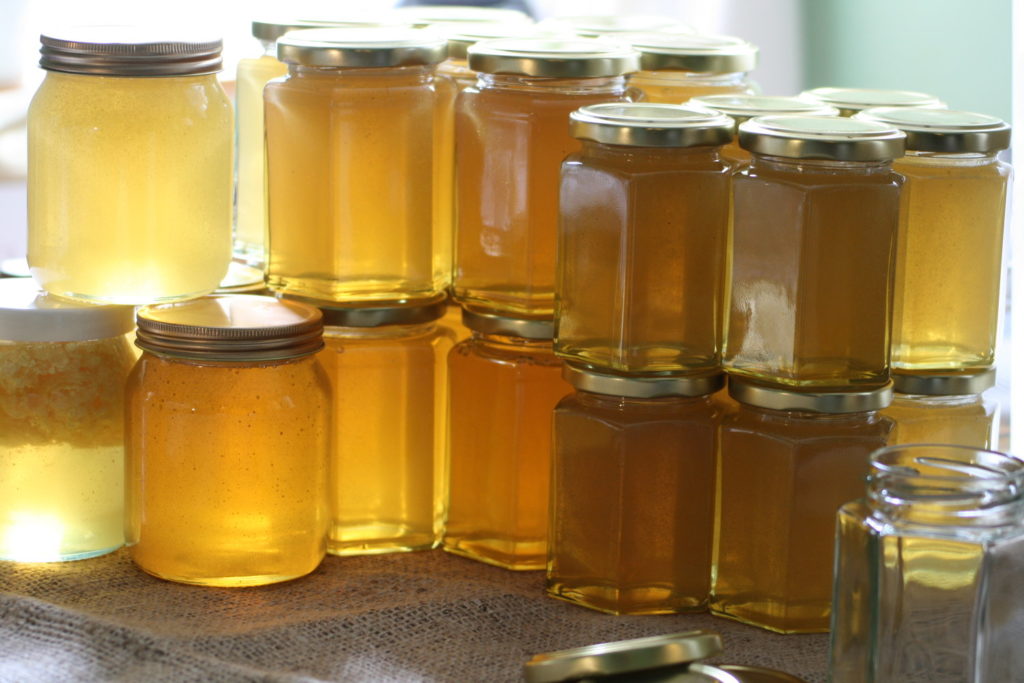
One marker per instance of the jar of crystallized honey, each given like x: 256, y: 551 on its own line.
x: 228, y: 436
x: 676, y: 67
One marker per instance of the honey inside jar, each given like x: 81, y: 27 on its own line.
x: 678, y: 66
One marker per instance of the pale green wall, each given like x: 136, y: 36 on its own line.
x: 958, y: 50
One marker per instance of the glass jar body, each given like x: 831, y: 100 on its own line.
x: 677, y: 87
x: 971, y: 420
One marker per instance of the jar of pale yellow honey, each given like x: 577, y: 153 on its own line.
x: 62, y: 371
x: 227, y: 441
x: 130, y: 166
x: 676, y: 67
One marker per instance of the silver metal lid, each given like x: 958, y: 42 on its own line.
x: 745, y: 107
x: 832, y: 402
x: 639, y: 124
x: 130, y: 51
x: 547, y: 57
x: 595, y: 25
x: 849, y: 101
x: 944, y: 385
x: 362, y: 47
x: 424, y: 15
x: 461, y: 36
x: 944, y: 131
x: 752, y: 674
x: 595, y: 382
x: 488, y: 323
x: 271, y: 29
x: 821, y: 137
x: 698, y: 53
x: 377, y: 316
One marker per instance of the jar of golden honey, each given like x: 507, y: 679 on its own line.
x: 642, y: 239
x: 389, y: 455
x: 504, y: 384
x: 130, y: 166
x: 786, y: 462
x: 676, y: 67
x: 633, y: 493
x: 813, y: 246
x: 849, y: 101
x: 352, y: 134
x: 228, y: 431
x: 511, y: 133
x: 62, y: 371
x: 949, y: 263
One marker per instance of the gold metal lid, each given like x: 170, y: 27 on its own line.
x: 548, y: 57
x: 134, y: 51
x: 461, y: 36
x: 750, y: 674
x: 271, y: 29
x: 424, y: 15
x: 745, y: 107
x: 821, y: 137
x: 595, y: 382
x: 488, y: 323
x: 596, y: 25
x: 944, y: 385
x: 849, y: 101
x: 945, y: 131
x: 361, y: 47
x: 698, y: 53
x: 833, y: 402
x: 623, y: 656
x: 377, y: 316
x: 640, y: 124
x: 231, y: 328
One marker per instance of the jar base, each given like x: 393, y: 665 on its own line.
x: 69, y: 557
x: 523, y: 556
x: 228, y: 581
x: 346, y: 541
x: 818, y: 623
x: 631, y: 601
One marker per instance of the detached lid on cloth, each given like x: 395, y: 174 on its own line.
x: 28, y: 314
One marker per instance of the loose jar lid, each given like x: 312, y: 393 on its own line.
x: 699, y: 53
x: 424, y: 15
x: 944, y: 385
x: 849, y: 101
x: 751, y: 674
x: 586, y: 379
x: 821, y: 137
x: 832, y: 402
x: 623, y: 656
x: 488, y: 323
x: 640, y: 124
x: 378, y: 316
x: 272, y: 29
x: 361, y: 47
x: 943, y: 130
x: 461, y: 36
x: 28, y: 314
x: 129, y: 51
x: 594, y: 25
x: 745, y: 107
x: 553, y: 57
x: 231, y: 328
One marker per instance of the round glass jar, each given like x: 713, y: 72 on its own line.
x: 849, y: 101
x: 676, y: 67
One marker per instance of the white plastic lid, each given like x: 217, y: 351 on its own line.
x: 27, y: 314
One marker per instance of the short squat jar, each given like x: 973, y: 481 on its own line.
x: 813, y: 247
x: 642, y: 239
x: 928, y: 569
x: 351, y: 153
x: 676, y: 67
x: 511, y: 133
x: 130, y: 167
x: 62, y: 371
x: 849, y: 101
x: 228, y: 429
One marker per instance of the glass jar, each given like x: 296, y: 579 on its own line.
x: 813, y: 244
x: 949, y: 254
x: 130, y: 167
x: 511, y: 137
x: 642, y: 240
x: 928, y: 569
x: 388, y: 469
x: 228, y: 430
x: 676, y: 67
x: 849, y: 101
x: 614, y: 25
x: 742, y: 108
x: 62, y: 372
x: 633, y: 493
x: 504, y: 383
x: 351, y: 139
x: 786, y: 462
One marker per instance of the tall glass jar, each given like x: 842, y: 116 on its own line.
x: 633, y: 493
x: 351, y: 138
x: 644, y: 210
x: 504, y: 384
x: 228, y: 430
x: 676, y: 67
x: 949, y: 262
x: 949, y: 410
x: 511, y: 137
x: 129, y: 167
x: 849, y: 101
x: 928, y: 568
x: 813, y: 246
x: 62, y: 371
x: 389, y: 475
x: 786, y: 462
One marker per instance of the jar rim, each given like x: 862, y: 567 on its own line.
x: 130, y: 51
x: 646, y: 124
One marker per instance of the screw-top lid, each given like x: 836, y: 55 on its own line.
x: 377, y: 316
x: 130, y: 51
x: 362, y: 47
x: 587, y: 379
x: 699, y: 53
x: 231, y: 328
x: 944, y: 385
x: 28, y: 314
x: 774, y: 398
x: 821, y: 137
x: 594, y: 25
x: 943, y: 130
x: 849, y: 101
x: 461, y: 36
x: 623, y: 656
x: 270, y: 29
x: 745, y: 107
x: 424, y: 15
x: 488, y: 323
x: 639, y: 124
x: 553, y: 57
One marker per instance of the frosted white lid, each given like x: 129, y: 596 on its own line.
x: 27, y: 314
